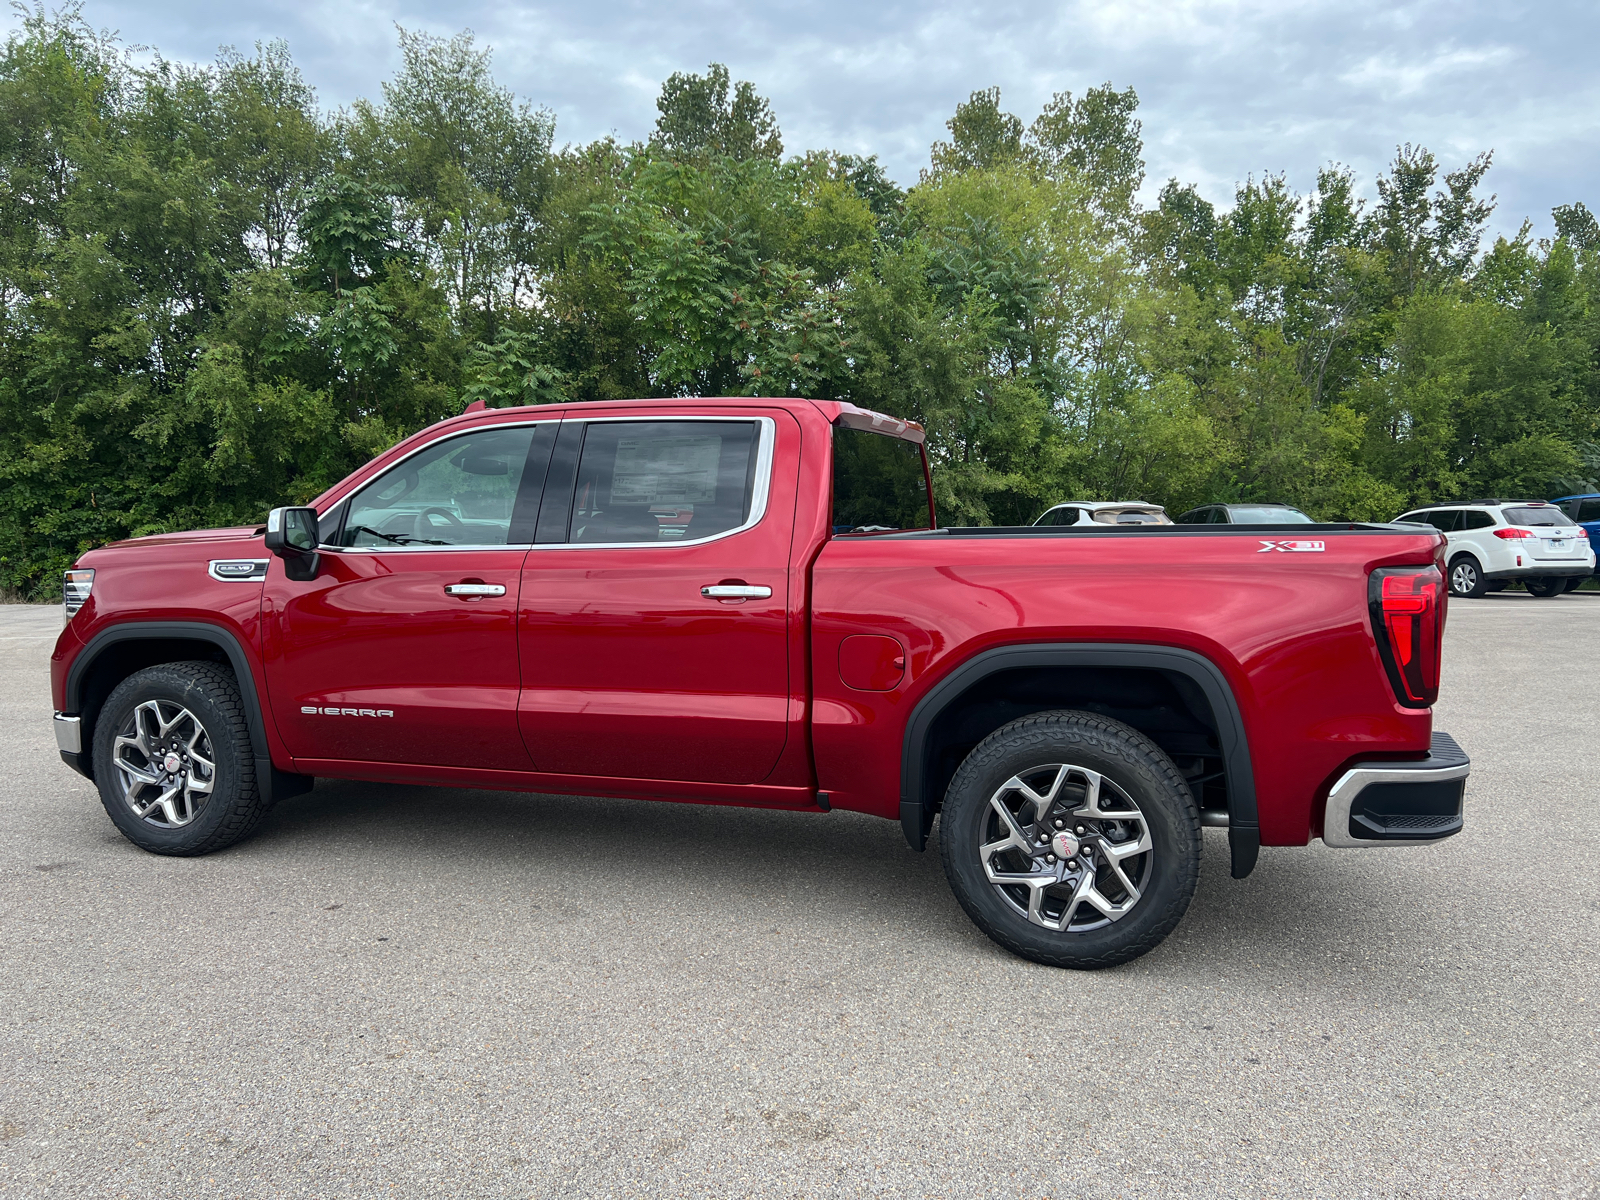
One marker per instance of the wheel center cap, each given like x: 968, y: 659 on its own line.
x: 1065, y: 845
x: 172, y: 762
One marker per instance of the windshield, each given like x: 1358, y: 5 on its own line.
x: 1545, y: 514
x: 1268, y: 515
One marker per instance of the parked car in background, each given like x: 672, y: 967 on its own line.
x: 1244, y: 514
x: 1585, y: 510
x: 1489, y: 542
x: 1105, y: 512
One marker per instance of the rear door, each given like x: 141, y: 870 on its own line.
x: 403, y: 648
x: 655, y: 619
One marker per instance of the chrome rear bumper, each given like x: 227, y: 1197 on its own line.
x: 1399, y: 803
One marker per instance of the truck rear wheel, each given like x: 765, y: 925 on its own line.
x: 1071, y: 839
x: 173, y: 761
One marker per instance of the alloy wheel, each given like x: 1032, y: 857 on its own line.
x: 1066, y: 848
x: 1463, y: 578
x: 165, y: 763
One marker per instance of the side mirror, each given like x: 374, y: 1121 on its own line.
x: 292, y: 536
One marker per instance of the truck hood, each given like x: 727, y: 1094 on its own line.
x: 235, y: 534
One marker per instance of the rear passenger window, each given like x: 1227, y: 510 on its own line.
x: 1445, y: 520
x: 1589, y: 510
x: 664, y: 481
x: 1476, y: 520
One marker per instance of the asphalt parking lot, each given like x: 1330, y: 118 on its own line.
x: 416, y: 992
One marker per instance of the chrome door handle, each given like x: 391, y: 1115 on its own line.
x: 735, y: 591
x: 474, y: 589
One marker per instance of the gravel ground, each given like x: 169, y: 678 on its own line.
x: 416, y: 992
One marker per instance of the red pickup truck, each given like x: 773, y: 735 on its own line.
x: 748, y: 601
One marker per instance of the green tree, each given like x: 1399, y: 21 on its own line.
x: 700, y: 119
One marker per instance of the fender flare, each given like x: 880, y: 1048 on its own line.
x: 277, y: 785
x: 1244, y: 826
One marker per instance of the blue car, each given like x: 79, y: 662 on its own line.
x: 1585, y: 510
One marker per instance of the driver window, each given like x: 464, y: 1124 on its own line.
x: 458, y: 492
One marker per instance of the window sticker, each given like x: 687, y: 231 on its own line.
x: 666, y: 470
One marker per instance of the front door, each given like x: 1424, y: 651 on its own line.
x: 403, y: 648
x: 654, y: 625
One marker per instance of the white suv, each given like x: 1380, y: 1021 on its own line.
x: 1490, y: 543
x: 1105, y: 512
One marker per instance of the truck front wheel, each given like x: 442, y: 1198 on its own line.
x: 1071, y: 839
x: 173, y: 762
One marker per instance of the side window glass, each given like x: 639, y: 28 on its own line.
x: 1445, y: 520
x: 1218, y: 516
x: 664, y: 481
x: 458, y: 492
x: 1414, y: 518
x: 1589, y: 510
x: 878, y: 482
x: 1476, y: 520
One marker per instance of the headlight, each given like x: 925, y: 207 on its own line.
x: 75, y: 586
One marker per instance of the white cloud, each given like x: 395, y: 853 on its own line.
x: 1228, y: 87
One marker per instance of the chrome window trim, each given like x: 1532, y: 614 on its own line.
x: 420, y: 549
x: 758, y: 496
x: 768, y: 438
x: 256, y: 575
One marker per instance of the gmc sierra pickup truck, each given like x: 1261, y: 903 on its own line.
x: 747, y: 601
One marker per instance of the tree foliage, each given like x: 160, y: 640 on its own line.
x: 216, y: 296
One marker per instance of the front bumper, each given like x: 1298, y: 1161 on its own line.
x: 69, y: 740
x: 1399, y: 803
x: 69, y: 734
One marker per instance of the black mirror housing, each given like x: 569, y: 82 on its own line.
x: 292, y: 536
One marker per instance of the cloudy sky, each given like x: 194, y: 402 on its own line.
x: 1227, y: 87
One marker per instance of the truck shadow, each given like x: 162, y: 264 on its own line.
x: 1302, y: 909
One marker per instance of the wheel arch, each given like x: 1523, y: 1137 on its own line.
x: 116, y: 652
x: 1000, y: 684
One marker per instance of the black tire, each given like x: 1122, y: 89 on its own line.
x: 210, y: 696
x: 1466, y: 577
x: 1547, y: 589
x: 1574, y: 582
x: 1499, y: 585
x: 1138, y: 769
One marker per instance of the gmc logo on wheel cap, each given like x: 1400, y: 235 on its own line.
x: 1292, y: 546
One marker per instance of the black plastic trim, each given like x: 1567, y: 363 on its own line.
x: 1244, y: 828
x: 277, y: 784
x: 1579, y: 572
x: 560, y: 481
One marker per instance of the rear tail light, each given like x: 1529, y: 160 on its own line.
x: 1513, y: 532
x: 75, y: 587
x: 1408, y: 611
